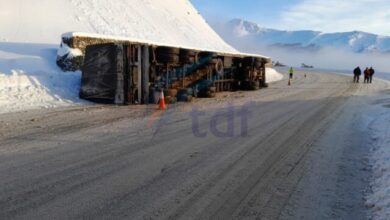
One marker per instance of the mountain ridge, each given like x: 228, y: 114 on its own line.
x: 355, y: 41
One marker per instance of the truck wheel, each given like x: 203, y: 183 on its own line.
x: 168, y: 58
x: 167, y: 50
x: 187, y: 56
x: 167, y: 54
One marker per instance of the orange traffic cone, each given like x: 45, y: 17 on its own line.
x: 289, y: 82
x: 162, y: 105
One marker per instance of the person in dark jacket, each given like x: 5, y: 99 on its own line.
x: 356, y: 72
x: 371, y: 74
x: 366, y: 75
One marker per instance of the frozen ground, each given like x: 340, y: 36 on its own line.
x: 379, y: 197
x: 304, y: 156
x: 45, y: 146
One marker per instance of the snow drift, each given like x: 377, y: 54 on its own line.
x: 29, y: 78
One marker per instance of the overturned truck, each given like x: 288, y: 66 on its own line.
x: 136, y: 72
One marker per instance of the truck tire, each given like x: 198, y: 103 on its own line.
x: 187, y: 56
x: 168, y: 58
x: 167, y: 50
x: 182, y: 98
x: 167, y: 54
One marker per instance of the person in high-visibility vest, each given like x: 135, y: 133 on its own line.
x: 291, y: 72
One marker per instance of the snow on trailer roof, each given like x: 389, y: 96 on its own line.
x: 154, y: 43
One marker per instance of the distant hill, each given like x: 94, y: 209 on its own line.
x: 238, y: 32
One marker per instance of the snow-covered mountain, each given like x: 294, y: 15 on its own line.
x: 238, y: 31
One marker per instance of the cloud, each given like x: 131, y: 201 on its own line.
x: 330, y: 58
x: 337, y: 16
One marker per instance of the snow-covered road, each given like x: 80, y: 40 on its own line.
x: 303, y: 156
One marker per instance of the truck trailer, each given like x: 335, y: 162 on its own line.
x: 135, y: 73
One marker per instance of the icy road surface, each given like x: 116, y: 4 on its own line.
x: 302, y: 153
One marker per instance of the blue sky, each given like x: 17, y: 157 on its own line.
x: 321, y: 15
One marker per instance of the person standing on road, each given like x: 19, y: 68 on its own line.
x: 366, y: 75
x: 371, y: 74
x: 357, y: 72
x: 291, y: 71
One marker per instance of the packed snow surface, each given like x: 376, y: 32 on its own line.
x: 379, y: 199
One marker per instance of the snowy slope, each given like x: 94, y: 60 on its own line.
x: 355, y: 41
x: 168, y: 21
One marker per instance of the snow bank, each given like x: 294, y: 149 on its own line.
x: 272, y: 75
x: 379, y: 199
x: 20, y: 91
x: 29, y: 78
